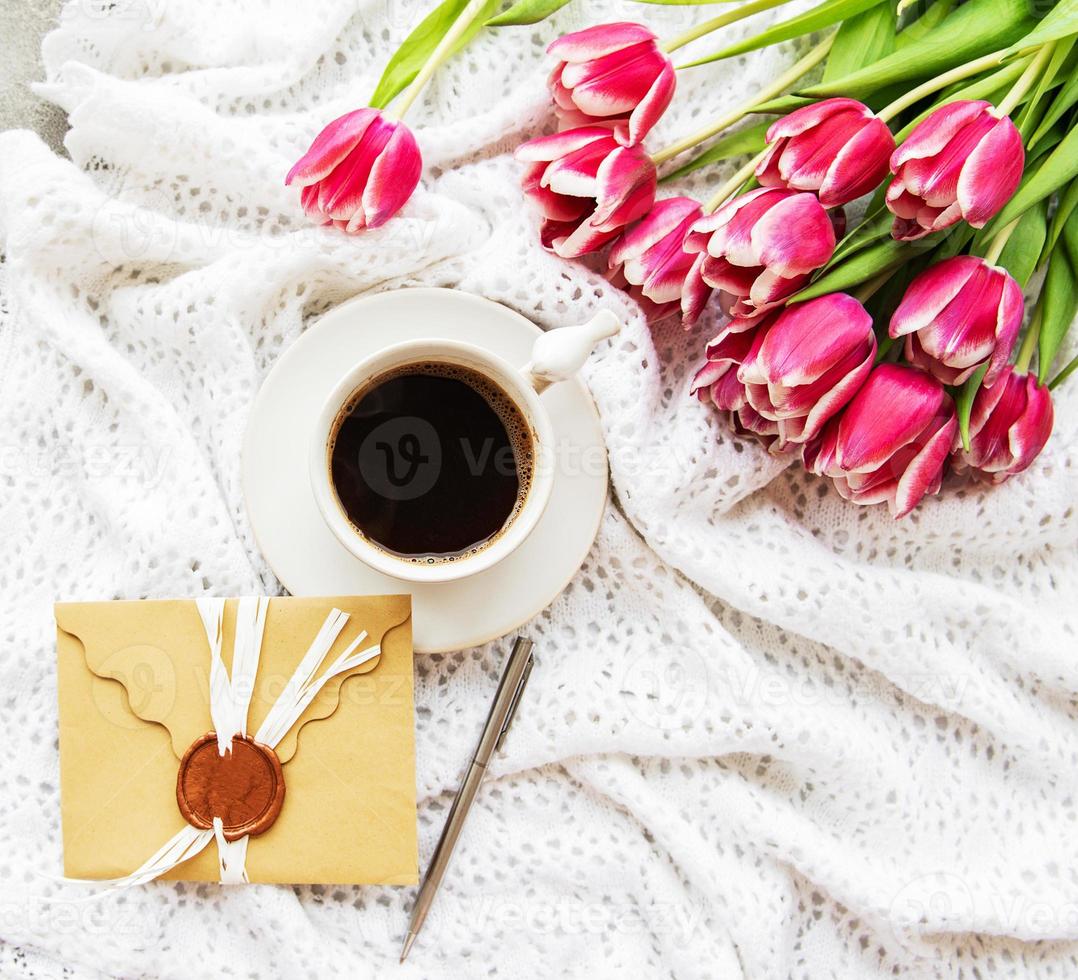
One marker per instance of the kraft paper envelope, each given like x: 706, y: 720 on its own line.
x: 133, y: 681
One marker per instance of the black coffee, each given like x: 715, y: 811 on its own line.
x: 431, y: 461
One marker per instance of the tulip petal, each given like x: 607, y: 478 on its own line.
x: 694, y: 293
x: 930, y: 293
x: 892, y: 407
x: 991, y: 173
x: 794, y: 237
x: 808, y: 339
x: 664, y: 218
x: 653, y: 104
x: 340, y: 194
x: 859, y: 166
x: 921, y: 475
x: 808, y: 117
x: 393, y: 178
x: 556, y: 145
x: 936, y: 130
x: 331, y: 146
x: 602, y: 39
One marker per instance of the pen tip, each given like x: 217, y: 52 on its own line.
x: 408, y: 940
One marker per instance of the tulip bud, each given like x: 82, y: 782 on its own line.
x: 890, y: 444
x: 962, y: 161
x: 1009, y: 426
x: 359, y: 171
x: 957, y: 315
x: 588, y: 186
x: 807, y: 363
x: 762, y: 246
x: 612, y: 71
x: 651, y: 259
x: 836, y: 148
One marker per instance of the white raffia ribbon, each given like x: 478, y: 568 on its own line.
x: 230, y: 698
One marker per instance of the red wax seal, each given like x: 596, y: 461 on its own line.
x: 244, y: 787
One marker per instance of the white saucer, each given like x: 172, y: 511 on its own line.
x: 301, y: 549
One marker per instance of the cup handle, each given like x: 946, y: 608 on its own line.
x: 559, y: 354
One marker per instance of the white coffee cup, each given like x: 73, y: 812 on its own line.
x: 556, y: 356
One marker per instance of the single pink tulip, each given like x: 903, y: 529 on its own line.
x: 807, y: 363
x: 650, y: 258
x: 359, y: 171
x: 1008, y: 427
x: 762, y: 246
x: 837, y: 148
x: 588, y: 184
x: 613, y: 71
x: 890, y: 444
x: 963, y: 161
x: 957, y: 315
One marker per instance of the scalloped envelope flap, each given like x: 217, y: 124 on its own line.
x: 158, y: 652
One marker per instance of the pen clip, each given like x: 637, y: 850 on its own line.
x: 515, y: 703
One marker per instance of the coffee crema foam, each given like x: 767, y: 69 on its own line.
x: 520, y: 434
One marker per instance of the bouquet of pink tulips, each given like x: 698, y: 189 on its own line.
x: 881, y: 356
x: 885, y: 355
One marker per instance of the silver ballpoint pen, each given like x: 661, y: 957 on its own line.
x: 514, y: 677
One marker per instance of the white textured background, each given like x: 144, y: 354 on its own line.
x: 769, y: 734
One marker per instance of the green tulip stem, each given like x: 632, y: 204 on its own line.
x: 1029, y: 343
x: 967, y: 70
x: 724, y: 193
x: 1026, y: 80
x: 999, y: 242
x: 730, y: 17
x: 440, y: 54
x: 777, y: 87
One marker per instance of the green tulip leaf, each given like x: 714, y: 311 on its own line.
x: 963, y: 402
x: 1023, y: 249
x: 1060, y: 21
x: 1059, y: 298
x: 823, y: 15
x: 927, y: 22
x: 1031, y: 113
x: 1061, y: 104
x: 1068, y: 201
x: 871, y: 262
x: 750, y: 139
x: 975, y: 29
x: 526, y: 12
x: 417, y: 47
x: 862, y: 39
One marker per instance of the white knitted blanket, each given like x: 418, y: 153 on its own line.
x: 769, y: 734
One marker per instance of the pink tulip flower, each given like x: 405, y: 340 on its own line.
x: 1009, y: 426
x: 651, y: 259
x: 891, y: 442
x: 807, y: 363
x: 359, y: 171
x: 588, y: 185
x: 762, y: 246
x: 836, y: 148
x: 963, y: 161
x: 957, y: 315
x: 613, y: 71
